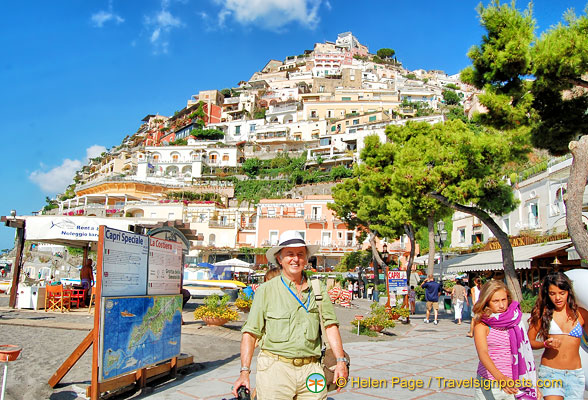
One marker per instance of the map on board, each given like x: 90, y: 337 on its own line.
x: 137, y: 332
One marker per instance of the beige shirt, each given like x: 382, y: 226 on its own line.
x: 283, y: 324
x: 459, y: 292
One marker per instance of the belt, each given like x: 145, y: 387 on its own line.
x: 297, y: 361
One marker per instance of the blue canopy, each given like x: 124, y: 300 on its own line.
x: 205, y: 265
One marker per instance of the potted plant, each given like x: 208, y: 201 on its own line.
x: 216, y: 311
x: 243, y: 303
x: 376, y: 322
x: 399, y: 311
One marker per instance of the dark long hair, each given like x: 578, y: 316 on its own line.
x: 543, y: 311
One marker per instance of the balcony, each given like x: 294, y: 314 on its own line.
x: 315, y: 219
x: 221, y: 224
x: 247, y: 227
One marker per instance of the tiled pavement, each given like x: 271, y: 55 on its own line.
x: 425, y: 352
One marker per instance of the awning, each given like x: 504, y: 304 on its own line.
x: 492, y: 260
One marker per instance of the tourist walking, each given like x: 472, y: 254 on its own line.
x: 356, y: 289
x: 412, y: 300
x: 503, y: 346
x: 475, y: 293
x: 284, y: 314
x: 370, y: 292
x: 557, y: 320
x: 458, y: 297
x: 350, y: 288
x: 432, y: 290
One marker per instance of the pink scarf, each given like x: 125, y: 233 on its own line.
x: 523, y: 365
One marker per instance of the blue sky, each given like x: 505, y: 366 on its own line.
x: 77, y: 76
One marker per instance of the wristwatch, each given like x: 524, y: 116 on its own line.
x: 245, y: 369
x: 343, y: 359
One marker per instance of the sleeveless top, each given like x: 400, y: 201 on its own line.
x: 476, y: 295
x: 499, y: 351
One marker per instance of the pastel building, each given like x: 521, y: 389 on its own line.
x: 315, y: 222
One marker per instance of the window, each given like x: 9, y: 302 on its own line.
x: 300, y: 212
x: 330, y: 114
x: 372, y: 118
x: 477, y: 238
x: 225, y: 157
x: 506, y: 225
x: 321, y: 89
x: 345, y: 98
x: 211, y: 239
x: 252, y: 128
x: 350, y: 237
x: 461, y: 233
x: 356, y: 122
x: 271, y: 212
x: 213, y: 158
x: 171, y: 216
x: 313, y: 114
x: 352, y: 77
x: 533, y: 215
x: 325, y: 141
x: 153, y: 215
x: 273, y: 238
x: 326, y: 239
x: 333, y: 128
x: 238, y: 130
x: 303, y: 234
x: 339, y: 235
x: 315, y: 213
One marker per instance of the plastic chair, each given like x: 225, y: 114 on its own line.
x: 56, y: 299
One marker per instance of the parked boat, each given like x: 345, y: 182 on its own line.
x: 199, y: 283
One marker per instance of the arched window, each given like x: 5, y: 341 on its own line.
x: 211, y: 239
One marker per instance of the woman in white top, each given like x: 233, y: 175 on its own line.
x: 475, y: 292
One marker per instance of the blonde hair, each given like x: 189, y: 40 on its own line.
x: 271, y: 273
x: 481, y: 308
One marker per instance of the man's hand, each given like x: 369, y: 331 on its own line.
x: 340, y: 371
x: 243, y: 380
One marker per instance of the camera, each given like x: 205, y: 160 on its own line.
x: 243, y: 393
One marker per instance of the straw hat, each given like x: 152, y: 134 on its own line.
x: 291, y: 239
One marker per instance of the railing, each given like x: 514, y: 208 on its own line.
x: 315, y: 218
x: 250, y: 227
x: 220, y: 224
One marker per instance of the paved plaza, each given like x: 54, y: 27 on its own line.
x: 422, y: 351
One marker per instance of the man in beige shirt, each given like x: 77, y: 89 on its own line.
x: 285, y: 317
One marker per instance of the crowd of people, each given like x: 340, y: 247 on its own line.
x: 287, y: 314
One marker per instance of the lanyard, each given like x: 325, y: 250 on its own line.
x: 296, y: 297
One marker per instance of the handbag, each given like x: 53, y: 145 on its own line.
x: 328, y: 359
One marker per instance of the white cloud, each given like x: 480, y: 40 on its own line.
x: 101, y: 17
x: 58, y: 178
x: 271, y: 14
x: 160, y: 25
x: 94, y: 151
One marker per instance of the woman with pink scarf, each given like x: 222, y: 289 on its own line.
x: 506, y: 370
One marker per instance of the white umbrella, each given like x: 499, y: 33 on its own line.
x: 233, y: 262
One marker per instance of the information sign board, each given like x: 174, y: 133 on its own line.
x: 165, y: 267
x: 124, y: 263
x: 396, y: 279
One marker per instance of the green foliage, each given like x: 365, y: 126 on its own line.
x: 452, y: 86
x: 340, y: 172
x: 194, y: 196
x: 457, y: 113
x: 354, y: 259
x: 259, y: 113
x: 450, y: 97
x: 251, y: 167
x: 381, y: 288
x: 179, y: 142
x: 226, y: 92
x: 51, y: 204
x: 385, y: 53
x: 75, y: 251
x: 207, y: 134
x: 255, y: 190
x: 529, y: 300
x: 411, y: 76
x: 378, y: 317
x: 419, y: 293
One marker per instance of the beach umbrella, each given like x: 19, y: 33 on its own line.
x: 233, y: 262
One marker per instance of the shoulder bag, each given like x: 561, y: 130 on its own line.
x: 328, y: 359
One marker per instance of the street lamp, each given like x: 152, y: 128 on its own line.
x: 440, y: 237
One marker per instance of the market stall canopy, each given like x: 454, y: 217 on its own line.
x: 205, y: 265
x: 233, y: 262
x: 492, y: 260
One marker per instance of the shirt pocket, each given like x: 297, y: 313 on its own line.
x: 311, y: 332
x: 277, y: 326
